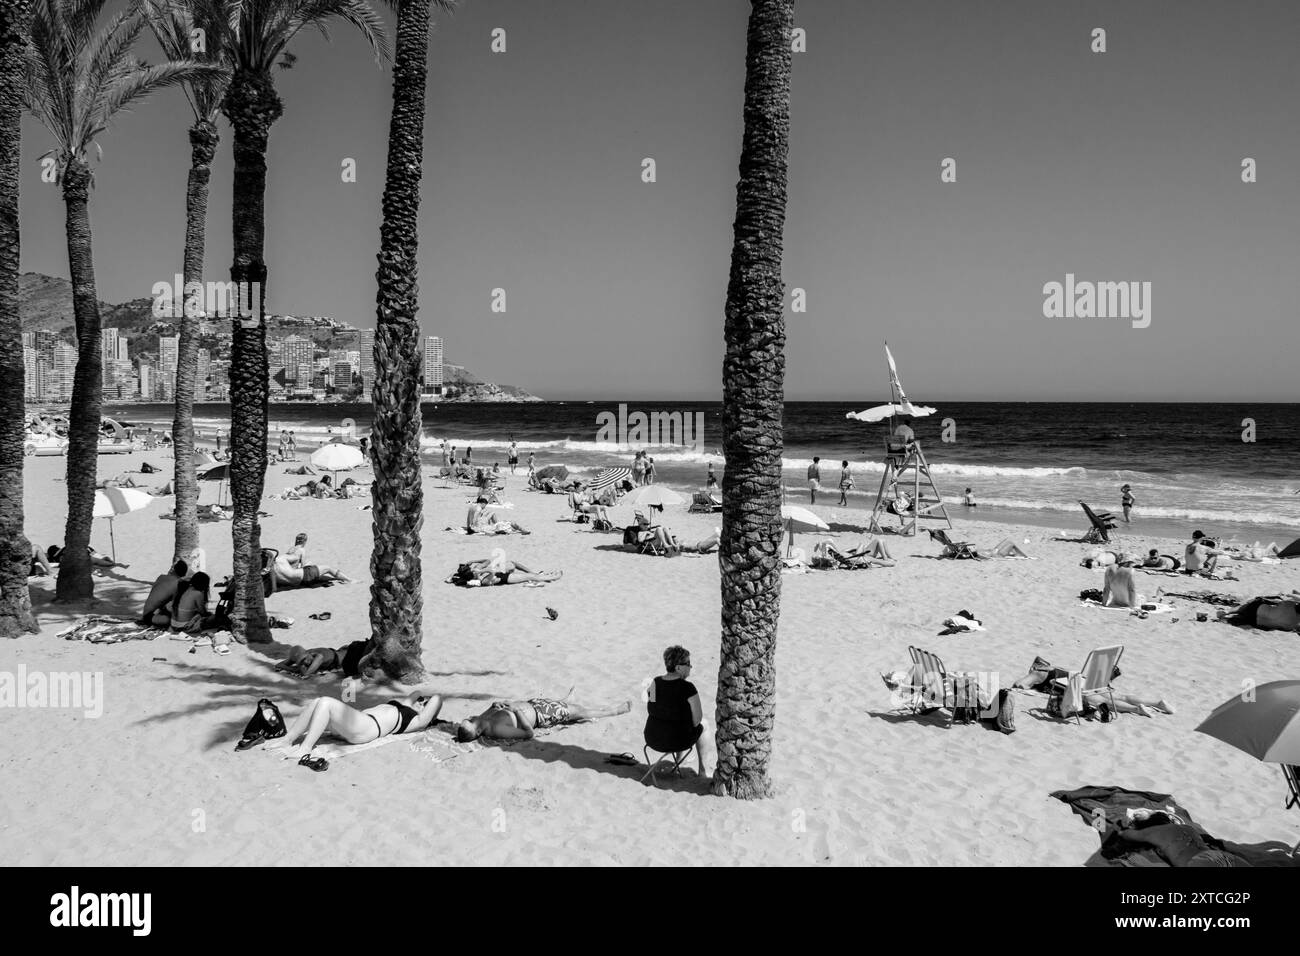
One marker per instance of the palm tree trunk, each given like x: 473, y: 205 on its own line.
x: 75, y: 581
x: 15, y: 550
x: 752, y: 396
x: 396, y: 595
x: 203, y: 146
x: 251, y: 105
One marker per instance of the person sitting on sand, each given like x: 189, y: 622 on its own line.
x: 1201, y: 555
x: 292, y: 570
x: 1120, y: 589
x: 402, y: 715
x: 1161, y: 562
x: 157, y: 606
x: 40, y: 565
x: 519, y: 719
x: 497, y: 570
x: 586, y: 504
x: 189, y: 613
x: 483, y: 520
x: 674, y: 716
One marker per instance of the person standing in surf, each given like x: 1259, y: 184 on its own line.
x: 1126, y: 501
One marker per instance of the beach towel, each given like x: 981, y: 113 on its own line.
x: 110, y: 630
x: 1141, y: 828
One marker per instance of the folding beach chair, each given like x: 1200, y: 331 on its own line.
x: 653, y: 765
x: 1098, y: 671
x: 703, y: 501
x: 951, y: 548
x: 930, y: 681
x: 1292, y: 774
x: 1102, y: 524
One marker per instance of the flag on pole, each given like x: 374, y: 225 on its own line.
x: 905, y: 407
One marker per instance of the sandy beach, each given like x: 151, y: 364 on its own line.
x: 156, y: 779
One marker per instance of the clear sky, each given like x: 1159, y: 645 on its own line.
x: 1119, y: 166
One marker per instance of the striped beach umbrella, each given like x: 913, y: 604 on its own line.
x: 609, y: 476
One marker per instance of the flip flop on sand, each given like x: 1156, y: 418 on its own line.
x: 321, y: 616
x: 319, y: 764
x: 622, y: 760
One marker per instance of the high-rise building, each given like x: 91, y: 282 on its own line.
x: 294, y: 352
x: 168, y: 353
x: 342, y: 376
x: 204, y: 373
x: 33, y: 373
x: 59, y: 377
x: 366, y: 343
x: 433, y: 365
x: 147, y: 380
x: 115, y: 367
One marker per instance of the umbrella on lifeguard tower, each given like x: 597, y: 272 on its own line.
x: 113, y: 501
x: 905, y: 464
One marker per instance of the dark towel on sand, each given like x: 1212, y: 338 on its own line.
x: 1168, y: 837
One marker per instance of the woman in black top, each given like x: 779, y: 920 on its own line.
x: 675, y: 718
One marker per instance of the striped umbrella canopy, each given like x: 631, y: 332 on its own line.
x: 609, y: 476
x: 1265, y: 723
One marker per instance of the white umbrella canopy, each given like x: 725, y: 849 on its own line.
x: 879, y: 413
x: 113, y: 501
x: 796, y: 518
x: 651, y: 496
x: 337, y: 456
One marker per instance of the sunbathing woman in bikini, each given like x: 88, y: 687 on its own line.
x: 490, y: 572
x: 518, y: 719
x: 402, y: 715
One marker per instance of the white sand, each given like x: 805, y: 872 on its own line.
x: 156, y: 780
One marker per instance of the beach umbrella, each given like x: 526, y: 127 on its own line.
x: 610, y: 476
x: 1267, y: 726
x: 795, y: 519
x: 551, y: 471
x: 335, y: 457
x: 651, y: 496
x: 1264, y: 724
x: 218, y: 472
x: 880, y: 412
x: 113, y: 501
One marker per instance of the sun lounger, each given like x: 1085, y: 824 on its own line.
x: 930, y: 682
x: 705, y: 502
x: 1097, y: 672
x: 951, y: 548
x: 1102, y: 524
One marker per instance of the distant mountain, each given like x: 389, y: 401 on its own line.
x: 46, y: 303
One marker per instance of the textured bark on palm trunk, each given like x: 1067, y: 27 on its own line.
x: 203, y: 146
x: 252, y: 105
x: 75, y: 581
x: 753, y: 392
x: 396, y: 596
x: 15, y: 550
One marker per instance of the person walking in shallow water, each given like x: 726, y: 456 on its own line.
x: 1126, y: 501
x: 814, y: 480
x: 846, y: 483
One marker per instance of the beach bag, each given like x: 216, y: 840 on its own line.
x: 602, y: 524
x: 266, y: 724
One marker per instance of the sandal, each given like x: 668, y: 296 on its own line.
x: 322, y: 616
x: 622, y: 760
x: 319, y: 764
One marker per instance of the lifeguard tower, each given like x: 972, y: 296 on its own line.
x: 907, y: 488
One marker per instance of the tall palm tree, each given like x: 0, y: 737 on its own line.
x: 259, y: 33
x: 753, y: 381
x: 174, y: 23
x: 77, y: 80
x: 15, y: 550
x: 396, y: 595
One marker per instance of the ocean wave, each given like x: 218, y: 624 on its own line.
x: 1201, y: 514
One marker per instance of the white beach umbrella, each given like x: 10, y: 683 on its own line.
x: 651, y: 496
x: 879, y: 413
x: 113, y: 501
x: 336, y: 457
x: 795, y: 519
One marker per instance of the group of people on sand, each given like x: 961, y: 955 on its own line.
x: 674, y: 716
x: 1200, y: 557
x: 178, y: 601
